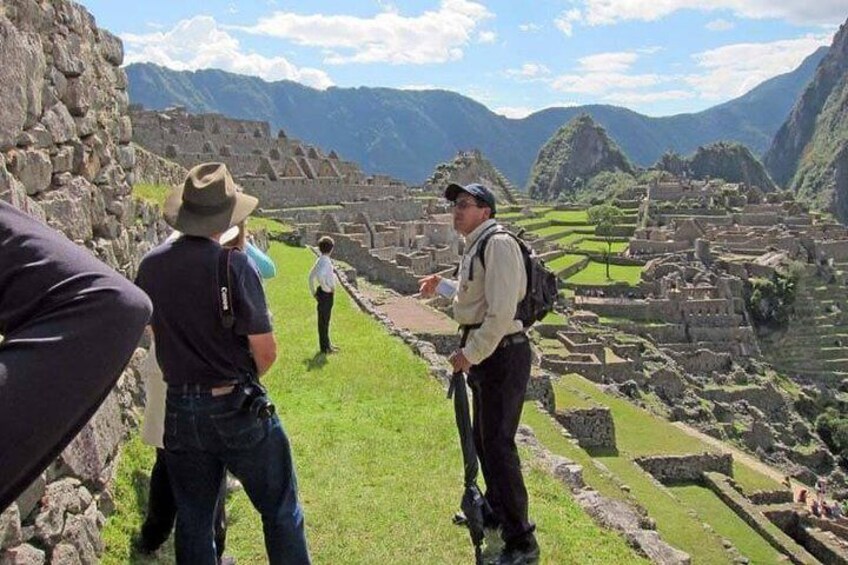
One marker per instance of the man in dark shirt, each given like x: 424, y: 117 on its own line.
x: 69, y: 325
x: 204, y: 361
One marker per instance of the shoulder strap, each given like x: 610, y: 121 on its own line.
x: 225, y: 290
x: 481, y: 247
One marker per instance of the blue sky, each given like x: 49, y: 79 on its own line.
x: 658, y: 57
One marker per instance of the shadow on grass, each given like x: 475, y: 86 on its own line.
x: 318, y: 360
x: 602, y: 451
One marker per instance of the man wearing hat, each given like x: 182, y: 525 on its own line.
x: 496, y: 358
x: 204, y: 357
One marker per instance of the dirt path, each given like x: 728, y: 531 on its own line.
x: 409, y: 313
x: 738, y: 454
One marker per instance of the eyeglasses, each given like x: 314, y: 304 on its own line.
x: 463, y: 204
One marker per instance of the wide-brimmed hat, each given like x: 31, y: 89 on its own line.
x: 208, y: 203
x: 477, y: 190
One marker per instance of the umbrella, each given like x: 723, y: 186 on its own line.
x: 473, y: 503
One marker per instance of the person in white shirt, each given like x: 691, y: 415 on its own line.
x: 322, y: 284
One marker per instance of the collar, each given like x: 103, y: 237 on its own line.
x: 478, y: 231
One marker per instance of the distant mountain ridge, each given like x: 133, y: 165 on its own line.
x: 810, y: 150
x: 406, y: 133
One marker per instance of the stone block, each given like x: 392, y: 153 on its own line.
x: 90, y: 450
x: 22, y: 555
x: 59, y: 123
x: 66, y: 50
x: 29, y: 499
x: 32, y: 167
x: 63, y: 160
x: 21, y: 78
x: 10, y: 527
x: 111, y: 47
x: 77, y: 96
x: 592, y: 427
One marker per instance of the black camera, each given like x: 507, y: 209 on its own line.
x: 253, y: 398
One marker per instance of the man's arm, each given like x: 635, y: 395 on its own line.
x: 264, y: 350
x: 70, y: 324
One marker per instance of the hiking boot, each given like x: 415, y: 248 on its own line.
x: 141, y: 547
x: 226, y: 560
x: 524, y: 554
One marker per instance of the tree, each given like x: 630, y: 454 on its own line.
x: 606, y: 217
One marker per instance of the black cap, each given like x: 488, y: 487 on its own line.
x: 476, y: 190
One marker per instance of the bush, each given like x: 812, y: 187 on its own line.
x: 769, y: 300
x: 832, y: 427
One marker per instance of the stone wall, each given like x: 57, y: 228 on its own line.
x: 153, y: 169
x: 383, y: 209
x: 373, y: 268
x: 285, y: 193
x: 591, y: 427
x: 66, y: 158
x: 671, y: 469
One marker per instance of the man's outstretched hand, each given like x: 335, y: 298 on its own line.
x: 427, y: 286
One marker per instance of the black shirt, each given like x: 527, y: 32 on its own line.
x: 70, y: 324
x: 192, y: 344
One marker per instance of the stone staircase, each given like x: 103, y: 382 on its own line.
x: 815, y: 345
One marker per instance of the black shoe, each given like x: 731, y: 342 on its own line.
x: 524, y: 554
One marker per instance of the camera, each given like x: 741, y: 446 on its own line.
x: 253, y: 398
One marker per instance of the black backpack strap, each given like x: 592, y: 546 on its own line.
x: 481, y: 243
x: 225, y: 290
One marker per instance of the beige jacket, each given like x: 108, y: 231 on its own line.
x: 492, y: 296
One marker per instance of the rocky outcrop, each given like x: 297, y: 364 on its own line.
x: 66, y: 159
x: 574, y: 154
x: 732, y: 162
x: 468, y: 167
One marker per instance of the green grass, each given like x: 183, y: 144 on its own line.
x: 639, y: 432
x: 152, y: 193
x: 376, y: 451
x: 550, y: 230
x: 595, y: 274
x: 555, y: 318
x: 570, y: 216
x: 570, y: 239
x: 560, y: 263
x: 598, y: 246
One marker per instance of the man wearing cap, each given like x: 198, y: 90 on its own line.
x: 203, y: 360
x: 496, y: 357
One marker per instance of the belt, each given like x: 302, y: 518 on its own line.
x: 513, y: 339
x: 195, y: 388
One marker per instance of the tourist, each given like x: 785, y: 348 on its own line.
x: 211, y: 358
x: 495, y: 353
x: 816, y: 509
x: 821, y: 489
x: 161, y: 507
x: 322, y: 285
x: 69, y: 324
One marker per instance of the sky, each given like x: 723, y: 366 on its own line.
x: 657, y: 57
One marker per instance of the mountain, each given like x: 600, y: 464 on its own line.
x: 468, y: 167
x: 809, y: 150
x: 577, y: 152
x: 406, y: 133
x: 732, y: 162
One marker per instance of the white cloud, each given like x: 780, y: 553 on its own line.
x: 529, y: 27
x: 617, y: 61
x: 732, y: 70
x: 435, y: 36
x: 601, y: 83
x: 640, y: 98
x: 486, y: 37
x: 719, y: 25
x: 200, y: 43
x: 529, y: 71
x: 604, y: 12
x: 565, y: 21
x: 514, y: 112
x: 421, y: 87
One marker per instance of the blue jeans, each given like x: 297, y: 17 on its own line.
x: 203, y: 436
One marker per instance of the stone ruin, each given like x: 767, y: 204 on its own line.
x: 282, y: 172
x: 66, y: 159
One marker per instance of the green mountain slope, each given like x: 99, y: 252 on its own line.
x: 406, y: 133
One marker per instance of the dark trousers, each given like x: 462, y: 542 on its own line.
x: 203, y: 438
x: 162, y: 509
x: 499, y: 384
x: 325, y: 309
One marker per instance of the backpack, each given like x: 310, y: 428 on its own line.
x: 541, y: 292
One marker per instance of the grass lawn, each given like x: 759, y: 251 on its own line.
x: 640, y: 433
x: 571, y: 216
x: 551, y: 230
x: 376, y: 451
x: 598, y: 246
x: 555, y: 318
x: 560, y: 263
x: 595, y: 273
x: 570, y: 239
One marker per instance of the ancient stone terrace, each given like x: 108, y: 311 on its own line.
x: 282, y: 172
x: 394, y: 253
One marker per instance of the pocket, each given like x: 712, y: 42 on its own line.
x: 239, y: 429
x: 171, y: 439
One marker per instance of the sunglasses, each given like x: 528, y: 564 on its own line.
x: 463, y: 204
